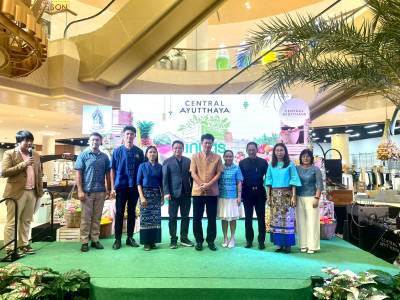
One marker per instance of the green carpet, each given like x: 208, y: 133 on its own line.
x: 237, y: 273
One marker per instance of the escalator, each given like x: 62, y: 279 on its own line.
x: 136, y: 37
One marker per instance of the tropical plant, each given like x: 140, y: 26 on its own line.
x: 146, y: 129
x: 18, y: 281
x: 334, y: 54
x: 371, y: 284
x: 268, y: 140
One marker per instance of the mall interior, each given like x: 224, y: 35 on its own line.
x: 167, y: 47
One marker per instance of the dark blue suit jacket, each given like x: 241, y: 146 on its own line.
x: 173, y: 178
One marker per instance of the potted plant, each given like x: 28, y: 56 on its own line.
x: 178, y: 60
x: 165, y: 62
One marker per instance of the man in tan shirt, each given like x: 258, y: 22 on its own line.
x: 21, y: 167
x: 206, y: 168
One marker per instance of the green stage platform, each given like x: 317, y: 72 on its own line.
x: 238, y: 273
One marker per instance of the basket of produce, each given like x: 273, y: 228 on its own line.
x: 387, y: 149
x: 328, y: 228
x: 105, y: 227
x: 73, y: 217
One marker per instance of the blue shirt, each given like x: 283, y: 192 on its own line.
x: 280, y: 177
x: 311, y: 181
x: 94, y: 167
x: 149, y: 175
x: 227, y: 182
x: 126, y: 163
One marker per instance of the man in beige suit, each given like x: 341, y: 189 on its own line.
x: 21, y: 167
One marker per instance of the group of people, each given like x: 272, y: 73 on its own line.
x: 216, y: 189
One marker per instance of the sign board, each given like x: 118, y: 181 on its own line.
x: 96, y: 119
x: 294, y: 112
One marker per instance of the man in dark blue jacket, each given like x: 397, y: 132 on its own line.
x: 177, y: 184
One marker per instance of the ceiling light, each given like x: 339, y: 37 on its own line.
x: 330, y: 129
x: 1, y: 121
x: 345, y: 119
x: 213, y: 39
x: 72, y: 140
x: 349, y: 130
x: 375, y: 131
x: 43, y: 104
x: 324, y: 141
x: 247, y: 3
x: 31, y: 115
x: 81, y: 142
x: 370, y: 126
x: 313, y: 134
x: 328, y: 135
x: 316, y: 138
x: 46, y: 126
x: 354, y: 135
x: 55, y: 27
x: 397, y: 127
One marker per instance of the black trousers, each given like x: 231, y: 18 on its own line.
x: 254, y: 199
x: 128, y: 195
x: 183, y: 202
x: 210, y: 202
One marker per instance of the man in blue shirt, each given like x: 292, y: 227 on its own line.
x: 124, y: 169
x: 91, y: 167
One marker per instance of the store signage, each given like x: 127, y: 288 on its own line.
x: 59, y: 5
x: 234, y: 120
x: 294, y: 112
x: 96, y: 119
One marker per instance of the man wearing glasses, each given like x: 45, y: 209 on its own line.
x: 254, y: 196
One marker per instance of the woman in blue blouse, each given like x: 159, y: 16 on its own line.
x: 281, y: 182
x: 307, y: 212
x: 149, y: 182
x: 230, y: 194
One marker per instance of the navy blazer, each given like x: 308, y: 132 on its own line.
x: 173, y: 178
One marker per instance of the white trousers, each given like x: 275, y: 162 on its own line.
x: 307, y: 220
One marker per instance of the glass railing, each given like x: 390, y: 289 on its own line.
x: 56, y: 22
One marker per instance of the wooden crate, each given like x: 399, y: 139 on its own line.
x: 65, y: 234
x: 342, y: 197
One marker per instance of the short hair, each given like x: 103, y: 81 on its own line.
x: 309, y: 152
x: 178, y: 142
x: 251, y: 143
x: 24, y: 134
x: 129, y: 127
x: 96, y: 134
x: 228, y: 151
x: 207, y: 136
x: 147, y: 151
x: 286, y: 159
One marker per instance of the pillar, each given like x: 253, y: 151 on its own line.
x: 48, y: 148
x: 340, y: 142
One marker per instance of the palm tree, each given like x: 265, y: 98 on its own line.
x: 334, y: 55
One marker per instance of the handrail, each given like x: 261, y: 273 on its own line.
x: 88, y: 18
x: 14, y: 256
x: 266, y: 53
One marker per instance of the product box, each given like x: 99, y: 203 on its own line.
x: 66, y: 234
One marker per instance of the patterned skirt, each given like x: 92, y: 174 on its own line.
x: 150, y: 217
x: 282, y: 218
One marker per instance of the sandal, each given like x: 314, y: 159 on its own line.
x: 303, y: 249
x: 287, y: 250
x: 279, y: 249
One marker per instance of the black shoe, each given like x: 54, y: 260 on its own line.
x: 279, y: 249
x: 153, y: 246
x: 97, y: 245
x: 186, y: 242
x: 286, y: 250
x: 20, y: 254
x: 212, y: 246
x: 174, y: 244
x: 27, y: 249
x: 261, y: 245
x: 85, y: 247
x: 117, y: 244
x: 131, y: 242
x: 199, y: 246
x: 248, y: 244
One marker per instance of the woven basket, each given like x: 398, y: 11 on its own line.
x: 327, y: 231
x: 105, y: 230
x: 73, y: 219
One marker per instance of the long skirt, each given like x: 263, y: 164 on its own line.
x: 308, y: 228
x: 282, y: 218
x: 150, y: 217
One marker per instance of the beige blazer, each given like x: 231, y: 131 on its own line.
x: 14, y: 169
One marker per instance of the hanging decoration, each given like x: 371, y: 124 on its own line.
x: 387, y: 149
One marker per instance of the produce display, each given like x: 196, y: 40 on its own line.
x: 387, y: 149
x: 327, y: 220
x: 106, y: 220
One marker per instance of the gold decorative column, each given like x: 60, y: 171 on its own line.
x: 341, y: 143
x: 48, y: 148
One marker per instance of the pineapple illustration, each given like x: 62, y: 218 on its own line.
x: 145, y: 131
